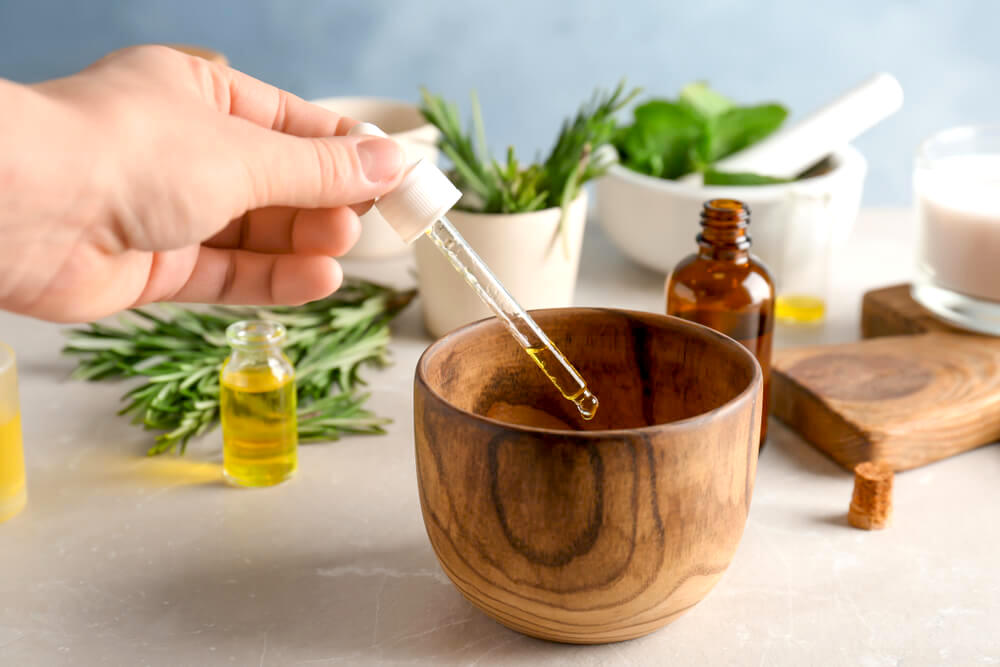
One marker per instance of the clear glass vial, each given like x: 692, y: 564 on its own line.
x: 13, y: 491
x: 257, y: 406
x: 723, y: 287
x: 956, y: 181
x: 805, y: 266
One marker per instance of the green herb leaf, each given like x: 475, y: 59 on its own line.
x: 511, y: 187
x: 704, y: 101
x: 713, y: 177
x: 737, y: 128
x: 180, y: 353
x: 661, y: 141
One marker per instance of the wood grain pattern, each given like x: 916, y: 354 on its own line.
x: 902, y: 400
x: 891, y: 311
x: 599, y: 534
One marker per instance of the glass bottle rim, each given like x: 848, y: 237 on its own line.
x: 255, y: 334
x: 726, y: 208
x: 957, y: 133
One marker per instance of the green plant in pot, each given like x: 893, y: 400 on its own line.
x: 526, y: 221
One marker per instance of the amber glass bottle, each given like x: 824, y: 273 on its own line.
x: 722, y: 286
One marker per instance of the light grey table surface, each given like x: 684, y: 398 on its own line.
x: 123, y: 560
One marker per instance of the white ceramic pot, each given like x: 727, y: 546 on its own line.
x: 524, y: 251
x: 654, y: 221
x: 403, y: 122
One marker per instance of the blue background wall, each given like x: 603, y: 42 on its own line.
x: 533, y: 62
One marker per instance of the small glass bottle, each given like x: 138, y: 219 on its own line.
x: 723, y: 287
x: 13, y: 491
x: 257, y: 406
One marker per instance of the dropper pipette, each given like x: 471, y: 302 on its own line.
x: 417, y: 207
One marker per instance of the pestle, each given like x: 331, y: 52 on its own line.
x: 793, y: 149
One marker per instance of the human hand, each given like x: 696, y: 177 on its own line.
x: 157, y: 176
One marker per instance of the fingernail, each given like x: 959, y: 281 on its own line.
x: 381, y: 159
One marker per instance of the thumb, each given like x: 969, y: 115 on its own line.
x: 320, y: 172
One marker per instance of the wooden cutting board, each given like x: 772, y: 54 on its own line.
x: 891, y: 311
x: 906, y: 400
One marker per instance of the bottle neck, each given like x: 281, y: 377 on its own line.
x: 257, y: 354
x: 723, y: 233
x: 256, y: 343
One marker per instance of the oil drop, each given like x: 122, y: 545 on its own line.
x: 549, y: 358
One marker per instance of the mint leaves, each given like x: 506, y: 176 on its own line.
x: 713, y: 177
x: 671, y: 138
x: 661, y: 141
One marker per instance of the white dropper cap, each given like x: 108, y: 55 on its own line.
x: 423, y: 197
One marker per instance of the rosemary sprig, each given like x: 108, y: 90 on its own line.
x: 492, y: 187
x: 178, y: 352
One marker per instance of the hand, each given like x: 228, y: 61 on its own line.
x: 154, y: 175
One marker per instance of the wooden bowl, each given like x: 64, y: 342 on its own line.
x: 596, y: 535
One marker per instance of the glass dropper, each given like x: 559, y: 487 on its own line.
x: 519, y: 323
x: 417, y: 207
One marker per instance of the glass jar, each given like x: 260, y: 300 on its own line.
x: 956, y: 183
x: 257, y: 406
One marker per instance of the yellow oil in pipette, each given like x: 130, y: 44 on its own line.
x: 519, y: 323
x: 549, y: 357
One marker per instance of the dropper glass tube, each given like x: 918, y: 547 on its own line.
x: 519, y: 323
x: 417, y: 206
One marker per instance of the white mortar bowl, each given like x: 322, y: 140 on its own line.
x: 403, y: 122
x: 654, y: 220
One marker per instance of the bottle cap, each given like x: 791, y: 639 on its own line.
x: 424, y: 195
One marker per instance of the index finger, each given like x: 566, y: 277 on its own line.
x: 238, y: 94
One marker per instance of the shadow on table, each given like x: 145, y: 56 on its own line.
x: 56, y: 367
x: 104, y: 456
x: 785, y: 443
x: 363, y: 606
x: 375, y: 607
x: 838, y: 520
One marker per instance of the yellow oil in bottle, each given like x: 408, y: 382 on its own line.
x: 799, y: 308
x: 549, y: 359
x: 259, y: 431
x: 13, y: 493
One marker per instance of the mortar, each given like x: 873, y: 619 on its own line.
x: 594, y: 535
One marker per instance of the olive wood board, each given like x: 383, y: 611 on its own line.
x: 903, y: 400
